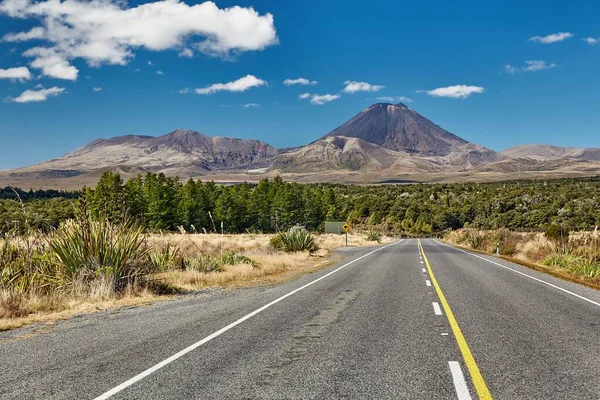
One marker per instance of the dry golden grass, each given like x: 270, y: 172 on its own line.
x: 17, y: 309
x: 531, y: 249
x: 274, y: 266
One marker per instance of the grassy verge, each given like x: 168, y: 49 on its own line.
x: 574, y: 258
x: 88, y: 266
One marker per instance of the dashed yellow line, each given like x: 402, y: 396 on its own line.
x: 482, y: 390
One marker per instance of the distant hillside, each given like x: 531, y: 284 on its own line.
x: 384, y: 142
x: 544, y: 152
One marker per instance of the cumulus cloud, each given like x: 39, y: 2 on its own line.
x: 530, y: 66
x: 18, y: 73
x: 455, y: 92
x: 187, y: 53
x: 108, y: 31
x: 251, y: 105
x: 97, y: 89
x: 159, y: 73
x: 353, y: 87
x: 319, y: 99
x: 553, y: 38
x: 299, y: 81
x: 392, y: 99
x: 240, y: 85
x: 33, y: 95
x: 591, y: 40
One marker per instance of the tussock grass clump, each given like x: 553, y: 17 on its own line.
x: 295, y: 239
x: 165, y: 258
x: 88, y: 249
x: 217, y: 263
x: 373, y: 236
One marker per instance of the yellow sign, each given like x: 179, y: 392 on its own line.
x: 346, y: 227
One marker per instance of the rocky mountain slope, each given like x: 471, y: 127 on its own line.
x: 183, y: 152
x: 544, y: 152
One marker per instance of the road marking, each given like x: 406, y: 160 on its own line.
x: 424, y: 270
x: 460, y: 385
x: 478, y: 381
x: 526, y: 275
x: 421, y: 261
x: 210, y: 337
x: 436, y: 308
x: 428, y: 282
x: 444, y: 333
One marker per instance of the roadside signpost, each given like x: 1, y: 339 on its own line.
x: 346, y: 228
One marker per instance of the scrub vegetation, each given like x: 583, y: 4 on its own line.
x: 570, y: 254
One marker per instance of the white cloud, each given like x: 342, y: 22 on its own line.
x: 34, y: 33
x: 109, y: 31
x: 251, y: 105
x: 97, y: 89
x: 511, y: 69
x: 185, y: 90
x: 299, y: 81
x: 391, y: 99
x: 530, y: 66
x: 455, y: 92
x: 353, y: 87
x: 537, y: 65
x: 52, y: 64
x: 240, y: 85
x: 319, y: 99
x: 41, y: 94
x: 18, y: 73
x: 150, y: 63
x: 591, y: 40
x: 553, y: 38
x: 159, y: 73
x: 187, y: 53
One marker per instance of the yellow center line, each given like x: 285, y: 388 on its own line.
x: 478, y: 381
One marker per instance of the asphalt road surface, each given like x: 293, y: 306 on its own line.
x: 389, y: 322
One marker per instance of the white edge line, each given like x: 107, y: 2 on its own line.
x: 192, y: 347
x: 524, y: 274
x: 460, y: 385
x: 428, y: 282
x: 436, y: 308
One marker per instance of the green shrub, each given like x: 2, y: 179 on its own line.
x: 557, y: 233
x: 233, y: 258
x: 161, y: 260
x: 87, y: 250
x: 294, y: 239
x: 373, y: 236
x: 204, y: 263
x: 212, y: 263
x: 563, y: 260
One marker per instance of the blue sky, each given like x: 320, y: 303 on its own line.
x: 409, y: 48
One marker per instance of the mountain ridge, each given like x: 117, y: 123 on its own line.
x: 381, y: 143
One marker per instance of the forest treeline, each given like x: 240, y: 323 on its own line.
x: 159, y: 202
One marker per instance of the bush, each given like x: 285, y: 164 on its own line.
x: 162, y: 259
x: 373, y: 236
x: 295, y: 239
x: 87, y: 250
x: 211, y: 263
x: 557, y: 233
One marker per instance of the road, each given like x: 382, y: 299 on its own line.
x: 402, y: 321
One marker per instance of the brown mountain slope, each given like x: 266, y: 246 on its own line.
x: 399, y: 128
x: 181, y: 152
x: 544, y: 152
